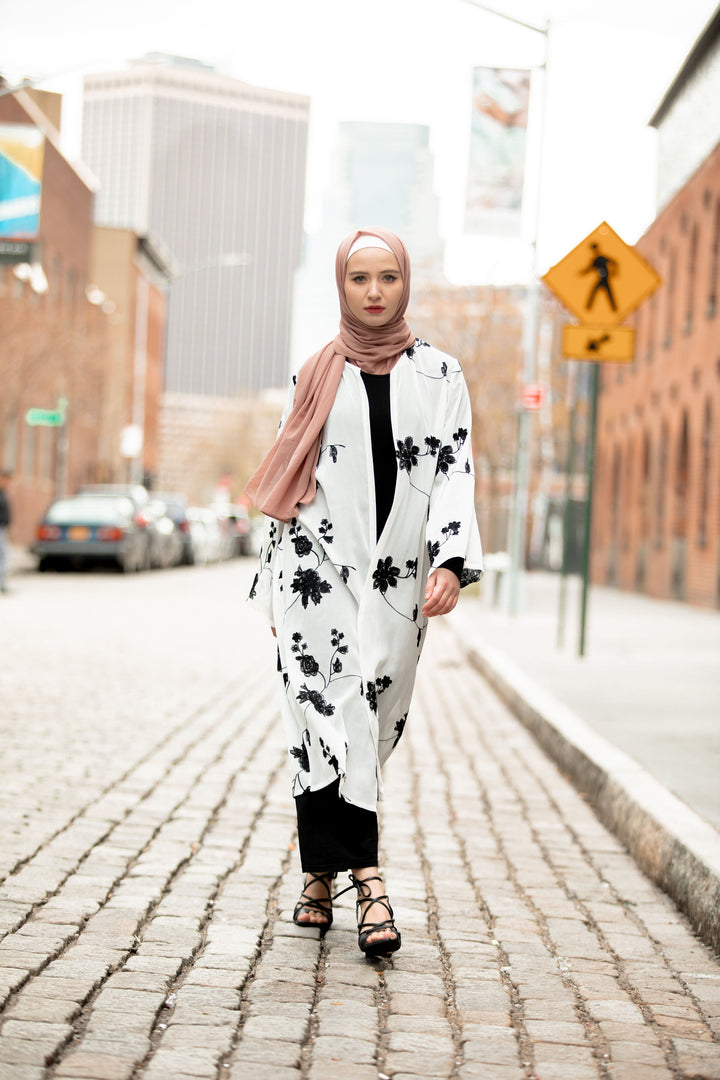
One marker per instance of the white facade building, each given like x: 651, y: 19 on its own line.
x: 214, y: 169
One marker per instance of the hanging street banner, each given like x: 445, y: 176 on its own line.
x: 496, y: 163
x: 603, y: 279
x: 22, y: 151
x: 598, y: 342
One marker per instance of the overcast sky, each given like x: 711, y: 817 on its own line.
x: 609, y: 65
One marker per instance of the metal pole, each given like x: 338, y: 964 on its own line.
x: 588, y: 508
x: 567, y: 509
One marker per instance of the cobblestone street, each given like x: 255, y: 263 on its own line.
x: 149, y: 872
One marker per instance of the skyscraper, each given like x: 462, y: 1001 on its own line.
x: 381, y: 174
x: 214, y: 170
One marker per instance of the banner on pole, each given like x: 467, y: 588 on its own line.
x: 496, y: 163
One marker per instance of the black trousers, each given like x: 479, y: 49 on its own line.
x: 333, y: 834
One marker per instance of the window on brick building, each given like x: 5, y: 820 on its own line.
x: 714, y: 263
x: 660, y: 482
x: 682, y: 481
x: 705, y: 465
x: 645, y: 488
x: 651, y: 325
x: 629, y: 494
x: 669, y: 299
x: 692, y: 265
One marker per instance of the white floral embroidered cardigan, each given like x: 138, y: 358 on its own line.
x: 346, y: 605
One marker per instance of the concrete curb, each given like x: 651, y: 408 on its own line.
x: 674, y: 846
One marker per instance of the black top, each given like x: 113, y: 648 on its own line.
x: 5, y: 515
x: 377, y: 388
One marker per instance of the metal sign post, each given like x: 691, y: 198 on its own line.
x: 601, y: 281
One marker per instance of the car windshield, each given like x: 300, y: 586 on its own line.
x: 89, y: 510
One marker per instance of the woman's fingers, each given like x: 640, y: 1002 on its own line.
x: 441, y: 593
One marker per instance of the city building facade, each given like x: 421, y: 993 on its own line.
x: 130, y: 278
x: 53, y: 344
x: 214, y: 169
x: 656, y: 506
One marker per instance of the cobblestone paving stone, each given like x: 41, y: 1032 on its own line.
x: 148, y: 874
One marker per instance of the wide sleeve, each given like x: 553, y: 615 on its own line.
x: 452, y: 529
x: 260, y: 596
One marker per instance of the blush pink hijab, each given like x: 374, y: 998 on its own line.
x: 285, y: 478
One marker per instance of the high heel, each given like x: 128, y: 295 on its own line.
x: 322, y: 904
x: 382, y: 945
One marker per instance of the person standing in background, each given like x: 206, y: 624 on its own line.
x: 5, y: 519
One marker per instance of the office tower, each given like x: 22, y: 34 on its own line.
x: 381, y: 174
x: 213, y: 171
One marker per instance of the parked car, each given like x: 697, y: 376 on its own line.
x: 91, y: 528
x: 166, y: 546
x: 176, y: 508
x: 209, y: 543
x: 239, y: 524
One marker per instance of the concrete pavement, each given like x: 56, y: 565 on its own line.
x: 149, y: 872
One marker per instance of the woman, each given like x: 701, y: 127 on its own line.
x: 372, y: 531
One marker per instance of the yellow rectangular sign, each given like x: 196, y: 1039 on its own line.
x: 598, y: 342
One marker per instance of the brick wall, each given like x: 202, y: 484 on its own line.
x: 656, y: 509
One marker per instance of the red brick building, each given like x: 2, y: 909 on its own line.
x: 656, y: 506
x: 130, y: 280
x: 84, y: 322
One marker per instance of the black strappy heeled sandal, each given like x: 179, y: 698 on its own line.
x: 382, y: 945
x: 323, y: 904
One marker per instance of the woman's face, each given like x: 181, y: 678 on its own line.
x: 373, y: 286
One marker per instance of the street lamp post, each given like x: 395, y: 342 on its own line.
x: 530, y: 336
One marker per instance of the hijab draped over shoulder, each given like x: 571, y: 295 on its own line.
x: 285, y: 478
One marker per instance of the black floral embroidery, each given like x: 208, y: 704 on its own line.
x: 310, y: 586
x: 386, y: 575
x: 399, y: 728
x: 406, y: 453
x: 433, y: 547
x: 253, y: 588
x: 325, y: 530
x: 332, y: 449
x: 301, y: 752
x: 451, y: 529
x: 374, y: 688
x: 316, y: 699
x: 336, y: 640
x: 344, y: 574
x: 446, y: 458
x: 308, y: 664
x: 329, y: 757
x: 302, y: 545
x: 432, y: 444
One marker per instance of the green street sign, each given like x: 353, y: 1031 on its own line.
x: 45, y: 417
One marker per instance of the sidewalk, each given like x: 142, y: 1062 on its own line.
x: 634, y: 723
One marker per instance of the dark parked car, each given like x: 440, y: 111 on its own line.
x: 91, y: 528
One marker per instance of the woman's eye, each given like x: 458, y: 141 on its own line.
x: 390, y: 277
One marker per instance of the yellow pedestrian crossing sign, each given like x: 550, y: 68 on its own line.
x: 598, y: 342
x: 603, y: 279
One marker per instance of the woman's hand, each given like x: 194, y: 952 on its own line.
x: 274, y: 631
x: 441, y: 593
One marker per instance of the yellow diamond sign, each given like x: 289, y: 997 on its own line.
x: 603, y: 279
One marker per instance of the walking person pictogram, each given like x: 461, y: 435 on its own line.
x: 604, y: 267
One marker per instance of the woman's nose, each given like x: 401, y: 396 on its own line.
x: 374, y: 288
